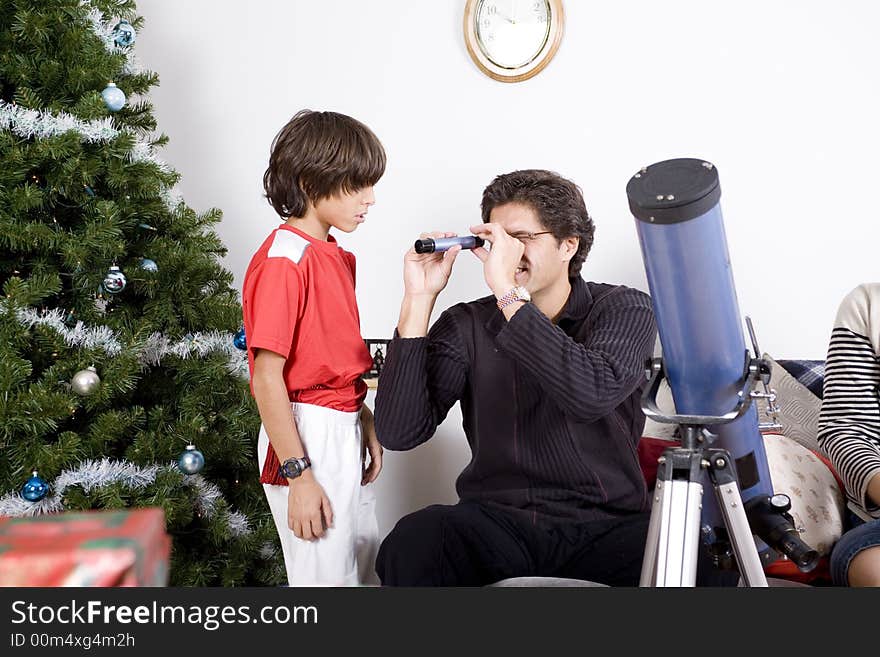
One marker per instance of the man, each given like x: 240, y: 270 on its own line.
x: 549, y: 371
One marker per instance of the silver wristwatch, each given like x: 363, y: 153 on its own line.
x: 294, y: 467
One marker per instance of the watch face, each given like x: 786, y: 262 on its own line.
x: 512, y: 33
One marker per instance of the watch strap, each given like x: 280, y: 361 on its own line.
x: 300, y: 463
x: 509, y: 298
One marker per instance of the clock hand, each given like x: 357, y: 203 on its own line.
x: 506, y: 17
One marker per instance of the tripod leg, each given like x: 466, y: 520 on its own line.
x: 731, y: 506
x: 679, y: 539
x: 674, y: 530
x: 649, y: 561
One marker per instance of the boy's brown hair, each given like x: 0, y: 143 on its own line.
x: 317, y: 155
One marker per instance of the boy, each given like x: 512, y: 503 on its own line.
x: 306, y: 354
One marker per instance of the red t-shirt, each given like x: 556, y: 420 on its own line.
x: 298, y: 301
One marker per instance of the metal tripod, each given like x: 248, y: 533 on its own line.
x: 674, y: 530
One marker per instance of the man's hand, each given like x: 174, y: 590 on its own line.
x: 499, y: 263
x: 370, y: 443
x: 426, y: 274
x: 308, y: 508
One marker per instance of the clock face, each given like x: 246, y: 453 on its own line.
x: 512, y: 33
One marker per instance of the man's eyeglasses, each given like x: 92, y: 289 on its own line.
x: 526, y: 237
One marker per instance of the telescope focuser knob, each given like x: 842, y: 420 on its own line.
x: 781, y: 503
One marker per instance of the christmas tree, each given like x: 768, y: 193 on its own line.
x: 123, y: 382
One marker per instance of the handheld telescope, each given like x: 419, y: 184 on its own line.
x: 711, y: 375
x: 438, y: 244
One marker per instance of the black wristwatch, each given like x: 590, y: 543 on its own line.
x: 294, y: 467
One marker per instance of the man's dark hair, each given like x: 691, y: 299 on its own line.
x: 557, y: 201
x: 317, y: 155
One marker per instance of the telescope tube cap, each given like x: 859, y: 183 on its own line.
x: 674, y: 191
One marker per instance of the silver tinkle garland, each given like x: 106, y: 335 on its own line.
x: 150, y: 352
x: 94, y: 474
x: 104, y: 31
x: 30, y: 123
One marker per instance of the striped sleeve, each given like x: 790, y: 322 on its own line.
x: 849, y: 420
x: 589, y: 379
x: 421, y: 380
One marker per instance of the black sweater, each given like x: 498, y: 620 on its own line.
x: 551, y: 412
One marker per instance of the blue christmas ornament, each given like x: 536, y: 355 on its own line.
x: 239, y: 340
x: 191, y: 461
x: 149, y: 265
x: 123, y: 34
x: 113, y: 97
x: 35, y: 488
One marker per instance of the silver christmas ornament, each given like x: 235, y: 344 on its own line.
x: 86, y: 381
x: 114, y: 281
x: 191, y: 461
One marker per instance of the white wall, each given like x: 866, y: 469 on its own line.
x: 781, y: 96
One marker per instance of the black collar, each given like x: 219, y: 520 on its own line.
x: 579, y: 302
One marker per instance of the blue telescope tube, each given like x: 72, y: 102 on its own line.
x: 684, y: 248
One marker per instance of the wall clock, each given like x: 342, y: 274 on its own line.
x: 513, y: 40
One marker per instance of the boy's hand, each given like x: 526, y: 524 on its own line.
x: 371, y: 444
x: 308, y: 508
x: 428, y: 273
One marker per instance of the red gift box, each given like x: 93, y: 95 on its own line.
x: 89, y: 548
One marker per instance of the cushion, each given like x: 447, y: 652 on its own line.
x: 649, y: 450
x: 809, y: 373
x: 817, y: 500
x: 657, y: 429
x: 818, y: 505
x: 798, y: 414
x: 546, y: 581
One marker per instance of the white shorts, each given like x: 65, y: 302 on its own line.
x: 346, y: 554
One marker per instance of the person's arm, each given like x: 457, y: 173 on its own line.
x: 424, y: 372
x: 849, y: 420
x: 586, y: 380
x: 371, y: 446
x: 421, y: 380
x: 308, y: 509
x: 272, y: 304
x: 874, y: 489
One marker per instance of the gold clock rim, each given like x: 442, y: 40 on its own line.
x: 538, y: 64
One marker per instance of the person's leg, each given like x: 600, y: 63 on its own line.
x: 611, y: 552
x: 864, y: 569
x: 367, y: 544
x: 462, y: 545
x: 276, y: 496
x: 855, y: 559
x: 330, y: 439
x: 605, y: 551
